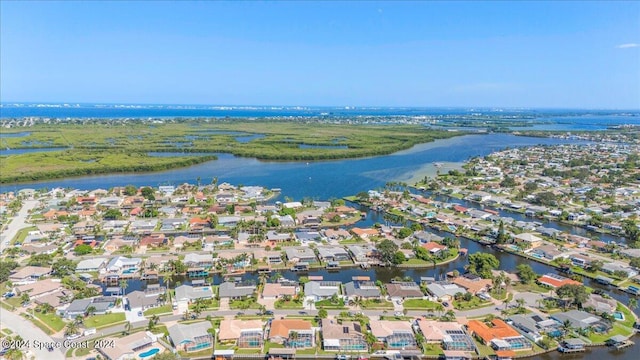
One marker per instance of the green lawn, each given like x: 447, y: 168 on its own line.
x: 376, y: 304
x: 52, y: 320
x: 618, y: 329
x: 419, y: 304
x: 474, y: 303
x: 244, y: 304
x: 270, y: 345
x: 22, y: 234
x: 281, y: 304
x: 100, y: 321
x: 433, y: 350
x: 165, y: 309
x: 39, y: 324
x: 327, y: 304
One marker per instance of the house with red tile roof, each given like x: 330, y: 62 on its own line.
x: 556, y: 281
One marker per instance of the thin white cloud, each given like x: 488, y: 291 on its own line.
x: 627, y: 46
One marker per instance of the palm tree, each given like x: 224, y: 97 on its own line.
x: 71, y: 329
x: 79, y: 320
x: 506, y: 302
x: 520, y: 303
x: 123, y: 285
x: 310, y: 302
x: 90, y: 310
x: 127, y: 328
x: 633, y: 304
x: 293, y: 337
x: 566, y: 327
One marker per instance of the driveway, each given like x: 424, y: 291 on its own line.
x: 30, y: 332
x: 132, y: 315
x: 224, y: 304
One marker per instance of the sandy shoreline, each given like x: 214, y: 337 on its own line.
x: 430, y: 170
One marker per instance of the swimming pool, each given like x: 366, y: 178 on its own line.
x: 618, y: 316
x: 149, y: 353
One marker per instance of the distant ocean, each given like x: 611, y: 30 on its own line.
x: 20, y: 110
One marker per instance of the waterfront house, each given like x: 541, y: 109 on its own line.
x: 29, y: 274
x: 425, y: 237
x: 293, y: 333
x: 434, y: 248
x: 404, y: 290
x: 616, y: 267
x: 532, y: 240
x: 127, y: 347
x: 301, y: 254
x: 500, y: 336
x: 600, y: 304
x: 547, y: 251
x: 273, y: 257
x: 363, y: 253
x: 332, y: 253
x: 362, y: 290
x: 273, y: 237
x: 191, y: 337
x: 185, y: 294
x: 195, y: 260
x: 397, y: 335
x: 124, y: 264
x: 245, y: 334
x: 94, y: 264
x: 556, y: 281
x: 340, y: 234
x: 319, y: 290
x: 272, y: 291
x: 580, y: 260
x: 345, y: 337
x: 533, y: 326
x: 364, y: 234
x: 583, y: 320
x: 232, y: 290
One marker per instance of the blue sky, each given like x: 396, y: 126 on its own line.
x: 509, y: 54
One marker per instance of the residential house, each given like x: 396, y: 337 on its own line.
x: 404, y: 290
x: 444, y: 291
x: 500, y: 336
x: 80, y: 307
x: 527, y: 238
x: 583, y: 320
x: 533, y: 326
x: 95, y: 264
x: 451, y: 335
x: 232, y: 290
x: 185, y: 294
x: 124, y: 264
x: 272, y: 291
x: 191, y: 337
x: 600, y: 304
x: 141, y: 300
x: 39, y: 288
x: 362, y: 290
x: 318, y: 290
x: 555, y: 280
x: 397, y: 335
x: 473, y: 283
x: 245, y: 334
x: 616, y: 267
x: 363, y: 253
x: 344, y: 337
x: 127, y: 347
x: 332, y: 253
x: 548, y: 252
x: 301, y: 254
x: 29, y: 274
x: 293, y: 333
x: 195, y: 260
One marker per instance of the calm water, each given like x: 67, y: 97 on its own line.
x: 320, y: 179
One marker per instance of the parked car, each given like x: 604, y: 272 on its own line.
x: 140, y: 313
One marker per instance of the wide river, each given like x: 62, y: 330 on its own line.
x: 334, y: 179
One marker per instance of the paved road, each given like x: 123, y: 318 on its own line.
x: 18, y: 223
x: 30, y: 332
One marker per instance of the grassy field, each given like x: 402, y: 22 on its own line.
x: 98, y: 147
x: 100, y: 321
x: 474, y: 303
x: 281, y: 304
x: 376, y: 304
x: 327, y: 304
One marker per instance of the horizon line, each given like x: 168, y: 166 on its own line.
x: 344, y: 107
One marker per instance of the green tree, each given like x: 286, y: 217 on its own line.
x: 71, y: 329
x: 322, y: 314
x: 398, y: 258
x: 130, y: 190
x: 526, y: 273
x: 112, y: 214
x: 387, y: 250
x: 63, y: 267
x: 482, y: 264
x: 6, y: 266
x: 633, y: 304
x: 82, y: 249
x: 404, y: 232
x: 573, y: 294
x: 148, y: 193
